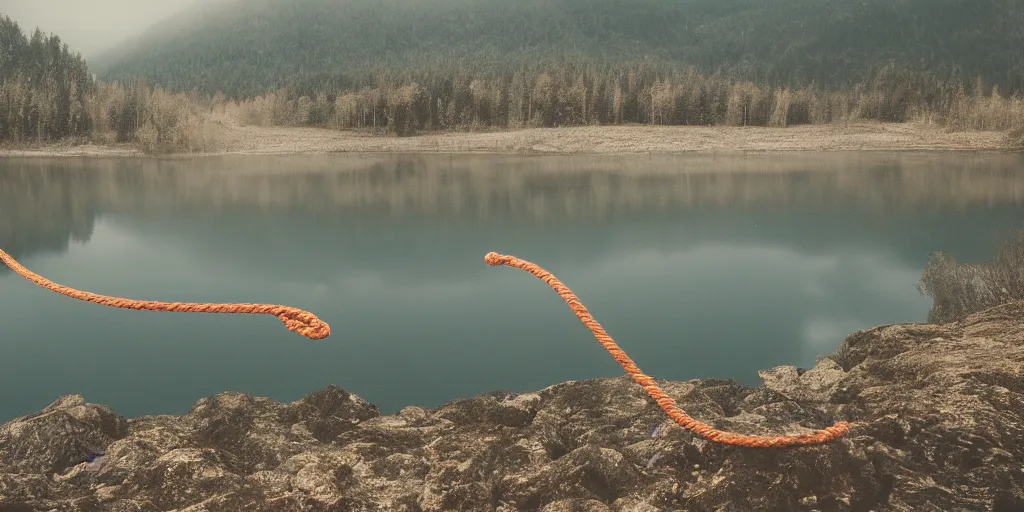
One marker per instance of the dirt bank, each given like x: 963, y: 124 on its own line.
x: 585, y: 139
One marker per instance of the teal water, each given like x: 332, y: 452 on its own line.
x: 699, y: 266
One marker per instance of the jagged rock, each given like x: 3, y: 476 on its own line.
x: 65, y: 433
x: 937, y: 411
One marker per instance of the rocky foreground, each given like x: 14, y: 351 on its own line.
x: 937, y: 413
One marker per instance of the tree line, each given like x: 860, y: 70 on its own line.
x: 43, y: 86
x: 572, y: 94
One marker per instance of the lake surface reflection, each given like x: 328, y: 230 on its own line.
x: 699, y: 266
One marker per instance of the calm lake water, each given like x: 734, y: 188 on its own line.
x: 699, y: 266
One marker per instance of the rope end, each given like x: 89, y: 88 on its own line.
x: 494, y: 259
x: 305, y: 324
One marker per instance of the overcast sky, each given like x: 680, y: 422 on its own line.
x: 89, y: 26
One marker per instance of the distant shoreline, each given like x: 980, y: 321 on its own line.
x: 622, y: 139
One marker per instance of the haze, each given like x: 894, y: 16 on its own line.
x: 90, y: 26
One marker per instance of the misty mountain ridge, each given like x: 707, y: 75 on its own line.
x: 246, y: 47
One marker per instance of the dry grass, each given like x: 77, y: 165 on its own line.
x: 1015, y: 138
x: 957, y: 290
x: 153, y: 121
x: 229, y: 137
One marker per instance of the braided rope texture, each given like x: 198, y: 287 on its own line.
x: 647, y: 383
x: 296, y: 320
x: 307, y: 324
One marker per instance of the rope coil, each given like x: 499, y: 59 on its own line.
x: 667, y: 403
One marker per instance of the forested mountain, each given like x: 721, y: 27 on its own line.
x: 498, y: 81
x: 246, y: 47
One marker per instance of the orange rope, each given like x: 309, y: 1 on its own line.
x: 308, y: 325
x: 666, y: 402
x: 296, y: 320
